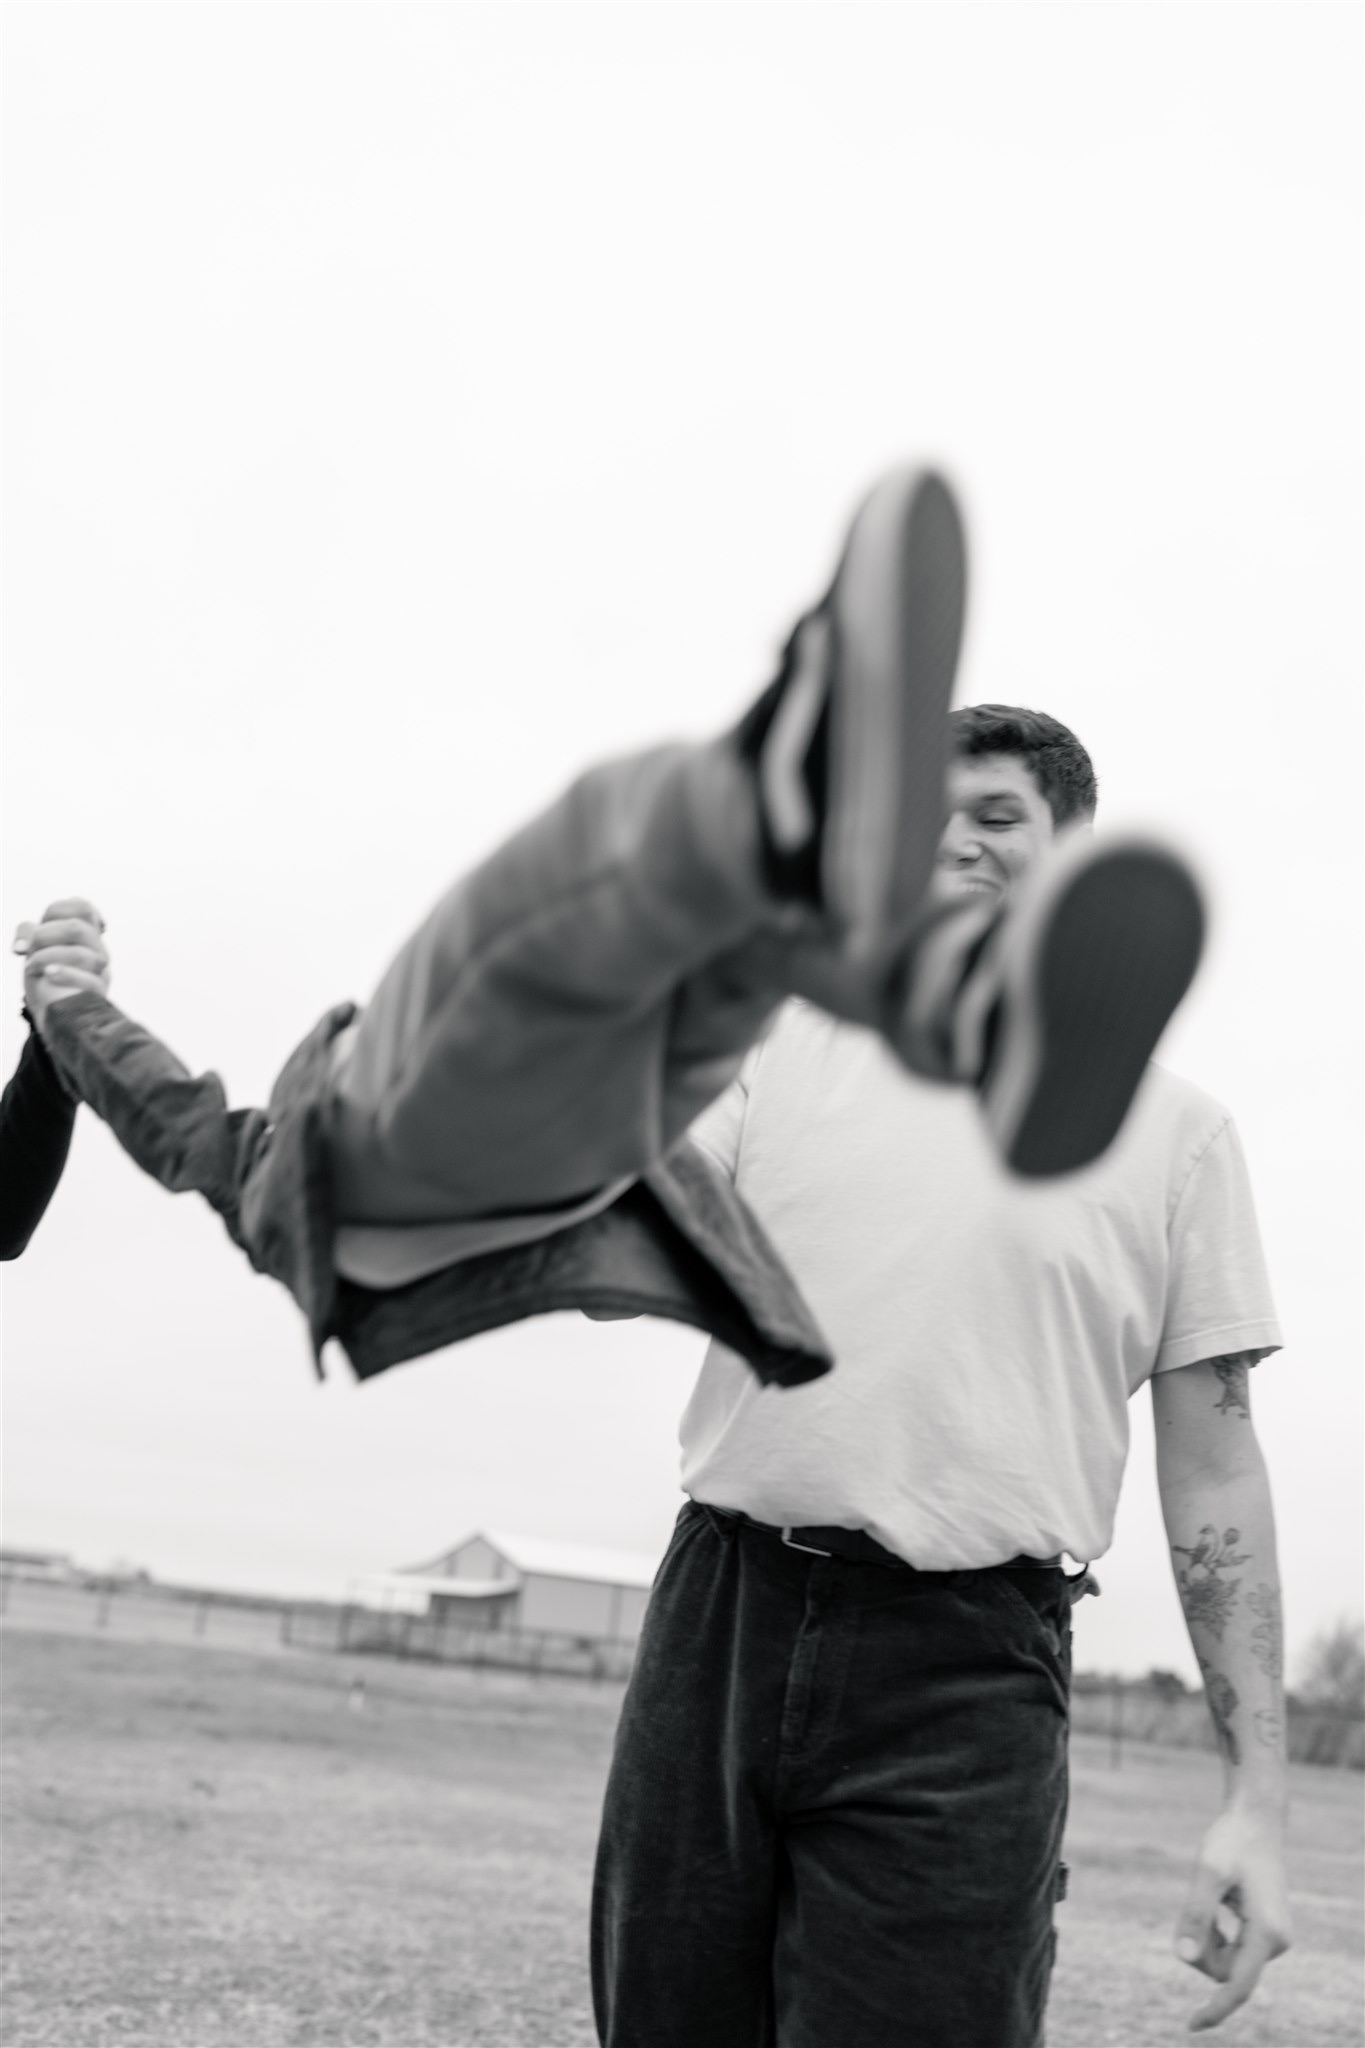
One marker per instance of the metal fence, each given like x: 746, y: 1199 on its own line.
x: 137, y: 1612
x: 444, y: 1641
x: 132, y: 1611
x: 1137, y: 1713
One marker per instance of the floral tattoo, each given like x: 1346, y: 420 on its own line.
x: 1209, y: 1598
x: 1266, y: 1639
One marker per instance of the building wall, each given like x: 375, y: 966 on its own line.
x: 580, y: 1607
x: 535, y: 1600
x: 36, y: 1564
x: 499, y: 1611
x: 634, y: 1601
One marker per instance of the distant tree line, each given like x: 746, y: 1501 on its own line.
x: 1331, y: 1675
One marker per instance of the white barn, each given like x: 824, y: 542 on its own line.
x: 53, y: 1566
x: 497, y: 1581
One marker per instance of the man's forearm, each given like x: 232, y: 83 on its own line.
x: 1215, y: 1497
x: 1222, y: 1536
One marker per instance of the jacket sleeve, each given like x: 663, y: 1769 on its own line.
x: 36, y: 1118
x: 176, y: 1125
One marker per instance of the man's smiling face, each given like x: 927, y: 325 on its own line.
x: 999, y: 824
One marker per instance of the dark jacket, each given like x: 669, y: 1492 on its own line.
x: 680, y: 1243
x: 36, y: 1116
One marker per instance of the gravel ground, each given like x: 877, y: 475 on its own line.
x: 217, y: 1850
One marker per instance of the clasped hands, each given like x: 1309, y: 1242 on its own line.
x: 64, y: 954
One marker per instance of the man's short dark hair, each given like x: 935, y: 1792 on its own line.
x: 1051, y: 752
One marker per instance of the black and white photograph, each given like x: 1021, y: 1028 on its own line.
x: 681, y: 1142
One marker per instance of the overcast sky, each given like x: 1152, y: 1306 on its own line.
x: 404, y: 406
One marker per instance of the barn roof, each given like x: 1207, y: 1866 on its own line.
x: 548, y: 1558
x: 545, y: 1557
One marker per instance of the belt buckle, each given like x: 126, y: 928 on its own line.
x: 809, y: 1548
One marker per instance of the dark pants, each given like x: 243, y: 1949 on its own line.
x: 834, y: 1815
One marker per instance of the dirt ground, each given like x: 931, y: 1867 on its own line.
x: 209, y: 1848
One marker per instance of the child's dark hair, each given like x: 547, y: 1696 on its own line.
x: 1049, y: 750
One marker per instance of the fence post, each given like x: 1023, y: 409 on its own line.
x: 201, y: 1614
x: 1116, y: 1728
x: 102, y: 1606
x: 286, y: 1624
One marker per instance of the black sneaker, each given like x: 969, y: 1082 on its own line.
x: 1064, y: 1004
x: 849, y: 742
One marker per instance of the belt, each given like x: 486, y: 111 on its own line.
x: 860, y: 1548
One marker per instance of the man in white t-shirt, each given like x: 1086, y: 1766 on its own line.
x: 836, y: 1805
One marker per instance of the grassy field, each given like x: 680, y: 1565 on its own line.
x: 209, y: 1848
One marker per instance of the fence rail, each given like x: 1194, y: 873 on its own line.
x: 441, y: 1641
x: 140, y: 1613
x: 1134, y: 1713
x: 137, y: 1612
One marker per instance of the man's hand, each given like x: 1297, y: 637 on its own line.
x: 65, y: 953
x: 1236, y: 1918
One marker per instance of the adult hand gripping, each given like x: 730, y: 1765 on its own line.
x: 1236, y: 1918
x: 64, y: 954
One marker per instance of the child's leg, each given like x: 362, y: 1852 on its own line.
x: 553, y: 1027
x: 516, y: 1054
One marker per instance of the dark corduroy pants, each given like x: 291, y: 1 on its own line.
x: 835, y: 1809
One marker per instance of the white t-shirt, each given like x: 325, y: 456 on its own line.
x: 987, y: 1331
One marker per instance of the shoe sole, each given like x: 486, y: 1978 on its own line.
x: 896, y: 611
x: 1088, y: 986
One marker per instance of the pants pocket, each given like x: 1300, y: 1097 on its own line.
x: 1042, y: 1612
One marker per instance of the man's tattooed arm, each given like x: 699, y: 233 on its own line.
x: 1216, y: 1502
x: 1215, y: 1499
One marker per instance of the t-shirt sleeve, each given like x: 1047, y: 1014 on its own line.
x: 719, y: 1129
x: 1218, y: 1299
